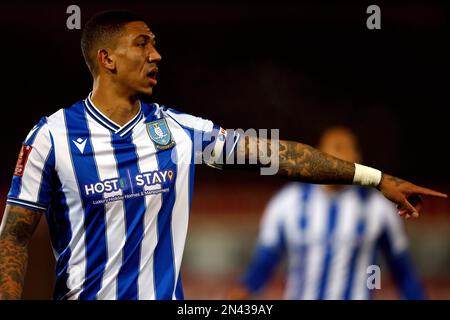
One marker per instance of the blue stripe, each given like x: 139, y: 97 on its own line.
x: 193, y: 134
x: 261, y: 268
x: 332, y: 215
x: 358, y: 243
x: 127, y: 165
x: 163, y: 262
x: 45, y: 187
x: 16, y: 187
x: 303, y: 250
x: 61, y: 234
x: 179, y: 295
x: 86, y: 172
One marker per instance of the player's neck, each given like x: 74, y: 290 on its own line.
x: 114, y: 103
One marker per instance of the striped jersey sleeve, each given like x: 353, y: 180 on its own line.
x: 212, y: 144
x: 31, y: 185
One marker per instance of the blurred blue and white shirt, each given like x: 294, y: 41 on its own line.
x: 116, y: 198
x: 330, y: 239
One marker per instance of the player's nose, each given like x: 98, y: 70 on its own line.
x: 154, y: 56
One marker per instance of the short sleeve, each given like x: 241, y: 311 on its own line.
x: 212, y: 144
x: 31, y: 185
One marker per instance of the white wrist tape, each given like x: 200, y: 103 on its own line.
x: 366, y: 176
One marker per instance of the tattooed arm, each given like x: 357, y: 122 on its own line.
x: 304, y: 163
x: 16, y: 230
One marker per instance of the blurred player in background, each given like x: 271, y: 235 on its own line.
x: 331, y: 235
x: 114, y: 176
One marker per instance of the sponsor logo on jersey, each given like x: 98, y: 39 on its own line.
x: 22, y: 160
x: 151, y: 178
x: 160, y: 134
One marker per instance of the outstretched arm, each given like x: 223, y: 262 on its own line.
x: 304, y: 163
x: 15, y: 232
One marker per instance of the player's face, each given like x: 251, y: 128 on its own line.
x: 342, y: 144
x: 136, y: 58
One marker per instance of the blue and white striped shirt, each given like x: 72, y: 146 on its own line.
x: 117, y: 198
x: 330, y: 238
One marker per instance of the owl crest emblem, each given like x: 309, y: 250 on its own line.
x: 160, y: 134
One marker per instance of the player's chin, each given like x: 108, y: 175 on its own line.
x: 146, y: 91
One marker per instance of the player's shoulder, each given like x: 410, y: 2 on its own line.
x: 378, y: 205
x: 57, y: 117
x: 187, y: 120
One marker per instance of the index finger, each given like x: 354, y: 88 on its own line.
x: 429, y: 192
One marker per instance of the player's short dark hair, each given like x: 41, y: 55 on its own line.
x: 100, y: 30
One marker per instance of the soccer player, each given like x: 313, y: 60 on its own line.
x: 330, y: 235
x: 114, y: 175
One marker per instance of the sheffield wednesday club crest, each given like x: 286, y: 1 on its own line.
x: 160, y: 134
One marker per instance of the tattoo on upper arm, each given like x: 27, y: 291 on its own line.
x: 16, y: 230
x: 19, y: 224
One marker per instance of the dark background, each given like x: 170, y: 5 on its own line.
x: 295, y: 66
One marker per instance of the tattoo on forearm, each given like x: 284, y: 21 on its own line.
x: 302, y: 162
x: 17, y: 228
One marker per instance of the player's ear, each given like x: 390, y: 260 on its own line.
x: 104, y: 60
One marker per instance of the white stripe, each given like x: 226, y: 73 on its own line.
x: 393, y: 224
x: 189, y: 121
x: 32, y: 173
x: 17, y: 201
x: 237, y: 138
x: 114, y: 211
x: 373, y: 226
x: 359, y: 290
x: 65, y: 170
x: 180, y: 212
x: 147, y: 162
x: 289, y: 209
x: 349, y: 210
x: 318, y: 206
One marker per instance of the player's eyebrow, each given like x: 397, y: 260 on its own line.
x: 146, y: 38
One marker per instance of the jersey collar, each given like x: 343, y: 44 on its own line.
x: 108, y: 123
